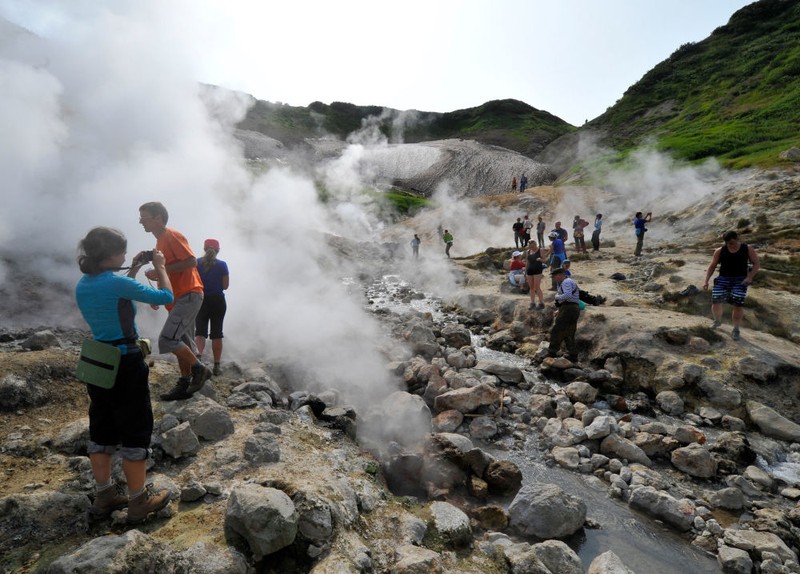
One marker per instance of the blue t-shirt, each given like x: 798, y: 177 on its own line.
x: 106, y: 303
x: 212, y: 278
x: 558, y: 248
x: 638, y: 224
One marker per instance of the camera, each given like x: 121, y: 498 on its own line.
x: 147, y: 256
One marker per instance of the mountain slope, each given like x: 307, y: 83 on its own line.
x: 734, y: 95
x: 507, y: 123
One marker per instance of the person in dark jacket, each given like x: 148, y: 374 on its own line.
x: 738, y: 265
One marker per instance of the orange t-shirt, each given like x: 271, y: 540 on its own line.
x: 175, y: 248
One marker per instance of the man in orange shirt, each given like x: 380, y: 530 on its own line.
x: 177, y: 335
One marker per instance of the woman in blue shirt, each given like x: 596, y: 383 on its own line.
x: 215, y: 277
x: 122, y: 415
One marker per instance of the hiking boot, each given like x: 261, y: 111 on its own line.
x: 735, y: 334
x: 108, y: 500
x: 531, y: 306
x: 716, y: 324
x: 148, y: 501
x: 217, y: 369
x: 178, y: 392
x: 540, y: 306
x: 200, y: 374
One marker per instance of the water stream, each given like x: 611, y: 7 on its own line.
x: 643, y: 544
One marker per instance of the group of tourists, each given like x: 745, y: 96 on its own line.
x: 120, y: 412
x: 738, y: 263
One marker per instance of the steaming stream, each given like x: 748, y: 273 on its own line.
x: 643, y: 544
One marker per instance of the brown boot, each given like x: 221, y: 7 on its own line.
x: 108, y: 500
x: 145, y: 503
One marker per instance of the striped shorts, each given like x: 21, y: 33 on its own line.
x: 729, y: 290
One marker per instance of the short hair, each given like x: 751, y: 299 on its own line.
x: 639, y: 214
x: 99, y: 244
x: 730, y: 235
x: 155, y: 208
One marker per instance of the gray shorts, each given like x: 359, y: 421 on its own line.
x: 179, y: 328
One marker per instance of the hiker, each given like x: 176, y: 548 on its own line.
x: 523, y: 183
x: 517, y: 227
x: 638, y: 225
x: 120, y: 416
x: 516, y: 275
x: 562, y: 233
x: 578, y: 225
x: 738, y: 265
x: 177, y: 335
x: 584, y: 296
x: 533, y: 273
x: 415, y: 245
x: 598, y: 227
x: 527, y: 225
x: 540, y: 227
x: 566, y: 319
x: 216, y: 279
x: 558, y: 254
x: 514, y: 184
x: 447, y: 237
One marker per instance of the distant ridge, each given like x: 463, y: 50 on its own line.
x: 507, y: 123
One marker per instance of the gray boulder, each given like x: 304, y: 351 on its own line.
x: 451, y: 524
x: 616, y: 446
x: 180, y: 441
x: 265, y: 518
x: 546, y: 511
x: 40, y: 517
x: 608, y: 563
x: 506, y: 373
x: 467, y: 399
x: 132, y: 551
x: 695, y: 460
x: 209, y: 419
x: 771, y: 423
x: 678, y: 513
x: 16, y: 392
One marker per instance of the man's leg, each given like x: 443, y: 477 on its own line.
x: 716, y: 312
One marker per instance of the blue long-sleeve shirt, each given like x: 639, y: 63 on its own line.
x: 106, y: 303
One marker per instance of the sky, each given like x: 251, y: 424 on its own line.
x: 572, y: 58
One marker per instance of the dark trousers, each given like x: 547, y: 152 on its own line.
x: 639, y: 244
x: 563, y: 330
x: 596, y: 240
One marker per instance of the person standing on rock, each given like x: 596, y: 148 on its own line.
x: 578, y: 225
x: 558, y: 253
x: 738, y: 265
x: 533, y: 273
x: 566, y: 322
x: 517, y: 227
x: 120, y: 418
x: 177, y: 335
x: 523, y: 183
x: 562, y: 233
x: 639, y: 227
x: 447, y: 237
x: 514, y: 184
x: 540, y: 227
x: 598, y: 227
x: 415, y: 245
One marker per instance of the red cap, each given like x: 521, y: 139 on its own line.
x: 211, y: 243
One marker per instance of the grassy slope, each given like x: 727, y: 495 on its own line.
x: 735, y: 95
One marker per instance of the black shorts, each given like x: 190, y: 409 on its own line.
x: 122, y: 415
x: 213, y: 311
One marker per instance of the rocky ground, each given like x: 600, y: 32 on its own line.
x: 669, y: 416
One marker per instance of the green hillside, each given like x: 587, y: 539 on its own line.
x: 735, y: 95
x: 508, y: 123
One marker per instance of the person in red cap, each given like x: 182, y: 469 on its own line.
x: 214, y: 273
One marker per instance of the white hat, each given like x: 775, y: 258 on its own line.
x: 516, y: 254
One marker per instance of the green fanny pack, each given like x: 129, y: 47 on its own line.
x: 98, y: 364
